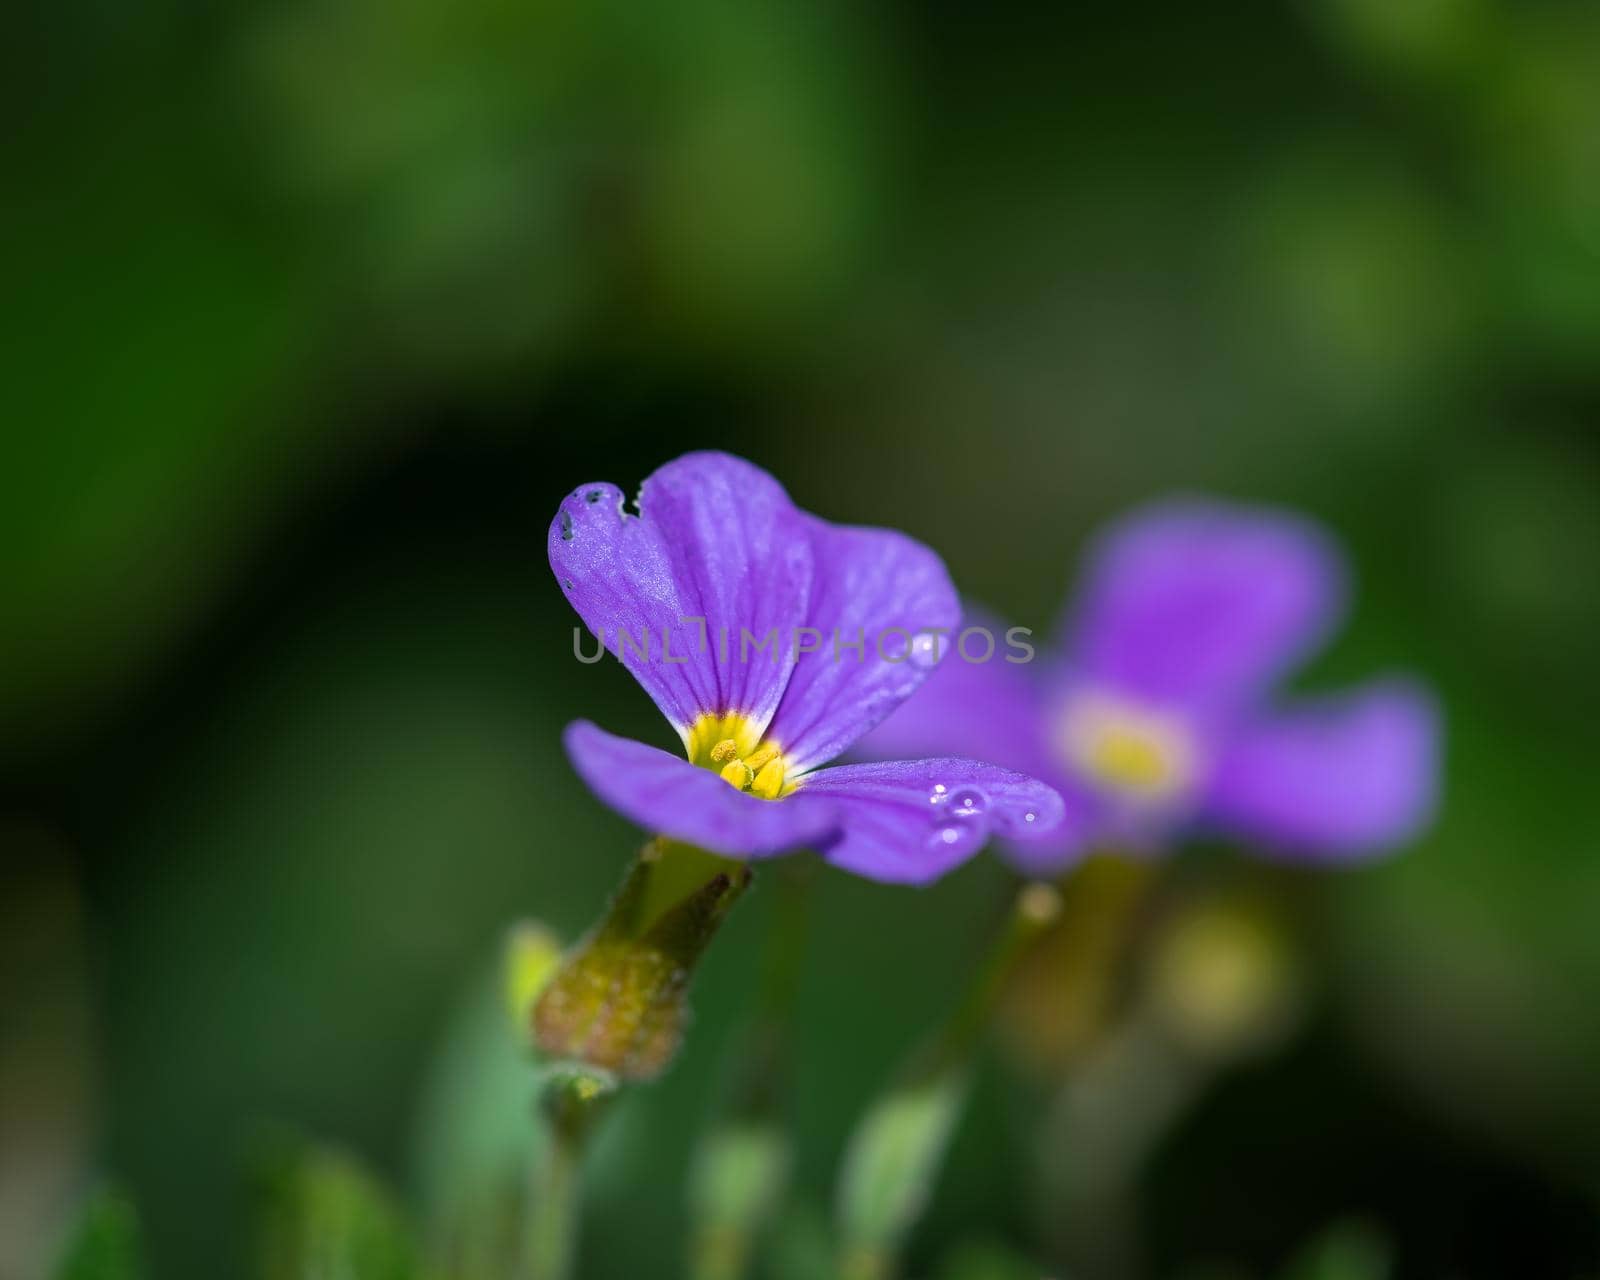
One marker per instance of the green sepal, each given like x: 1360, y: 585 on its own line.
x: 619, y: 1002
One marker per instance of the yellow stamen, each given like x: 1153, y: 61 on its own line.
x: 731, y: 745
x: 769, y: 781
x: 759, y: 758
x: 1128, y: 759
x: 703, y: 740
x: 1128, y: 748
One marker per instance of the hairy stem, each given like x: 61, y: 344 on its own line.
x: 573, y: 1100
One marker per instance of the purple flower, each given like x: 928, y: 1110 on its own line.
x: 1156, y: 715
x: 772, y: 640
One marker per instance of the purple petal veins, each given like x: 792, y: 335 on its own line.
x: 772, y: 640
x: 665, y: 793
x: 869, y: 583
x: 714, y: 539
x: 907, y: 821
x: 912, y: 820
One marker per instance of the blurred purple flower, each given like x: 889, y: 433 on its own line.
x: 741, y: 616
x: 1155, y: 717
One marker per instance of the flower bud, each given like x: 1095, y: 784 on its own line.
x: 532, y: 954
x: 1223, y: 980
x: 890, y: 1165
x: 736, y: 1183
x: 1065, y: 991
x: 618, y: 1003
x: 739, y: 1174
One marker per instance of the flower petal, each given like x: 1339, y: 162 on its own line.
x: 1047, y: 858
x: 995, y: 711
x: 1204, y: 604
x: 716, y: 538
x: 665, y: 794
x: 1345, y: 777
x: 986, y: 710
x: 881, y: 589
x: 911, y: 821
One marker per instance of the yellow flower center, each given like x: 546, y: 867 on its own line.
x: 729, y: 744
x: 1127, y: 748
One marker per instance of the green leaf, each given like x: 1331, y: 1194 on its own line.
x: 323, y: 1216
x: 479, y: 1131
x: 987, y: 1261
x: 802, y: 1248
x: 1346, y: 1251
x: 892, y: 1162
x: 103, y: 1244
x: 738, y: 1178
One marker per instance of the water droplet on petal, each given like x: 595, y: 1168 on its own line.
x: 566, y: 527
x: 1029, y: 817
x: 969, y: 804
x: 939, y: 794
x: 924, y: 651
x: 568, y: 583
x: 956, y: 837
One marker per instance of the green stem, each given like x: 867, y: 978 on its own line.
x: 1036, y: 907
x: 866, y: 1262
x: 553, y: 1210
x: 573, y: 1099
x: 785, y: 952
x: 612, y: 1014
x: 899, y: 1144
x: 740, y: 1172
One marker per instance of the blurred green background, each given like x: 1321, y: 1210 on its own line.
x: 316, y: 309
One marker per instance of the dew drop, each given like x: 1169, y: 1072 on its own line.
x: 566, y: 527
x: 568, y: 583
x: 955, y: 837
x: 924, y: 650
x: 969, y: 804
x: 1029, y: 817
x: 939, y: 794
